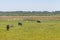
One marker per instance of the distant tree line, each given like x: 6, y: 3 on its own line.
x: 30, y: 13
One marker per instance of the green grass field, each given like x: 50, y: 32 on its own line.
x: 31, y: 30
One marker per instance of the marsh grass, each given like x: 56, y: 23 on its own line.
x: 31, y: 30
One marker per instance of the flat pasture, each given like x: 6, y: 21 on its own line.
x: 48, y: 29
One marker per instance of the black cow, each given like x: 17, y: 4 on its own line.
x: 19, y: 23
x: 38, y: 21
x: 8, y: 27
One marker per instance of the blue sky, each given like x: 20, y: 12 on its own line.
x: 29, y: 5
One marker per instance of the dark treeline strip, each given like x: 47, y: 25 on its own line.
x: 30, y: 13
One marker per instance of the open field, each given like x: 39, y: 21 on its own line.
x: 30, y: 30
x: 30, y: 17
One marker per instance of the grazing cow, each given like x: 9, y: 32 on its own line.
x: 19, y: 23
x: 38, y: 21
x: 8, y: 27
